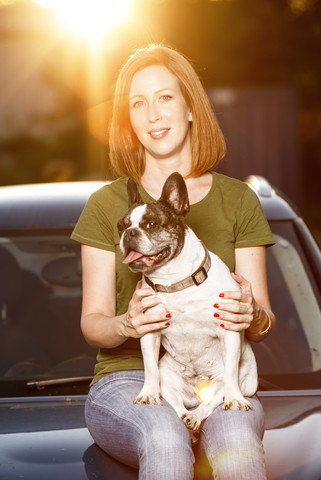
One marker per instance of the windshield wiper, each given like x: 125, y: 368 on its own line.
x: 55, y: 382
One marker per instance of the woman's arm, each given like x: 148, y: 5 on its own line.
x: 253, y: 312
x: 99, y: 323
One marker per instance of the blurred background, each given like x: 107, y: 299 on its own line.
x: 259, y: 61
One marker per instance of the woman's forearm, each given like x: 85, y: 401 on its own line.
x: 101, y: 331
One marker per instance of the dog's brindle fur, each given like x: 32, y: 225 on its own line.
x: 157, y: 242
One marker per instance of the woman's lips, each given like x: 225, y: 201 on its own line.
x: 157, y: 134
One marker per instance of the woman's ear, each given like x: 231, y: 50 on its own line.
x: 190, y: 117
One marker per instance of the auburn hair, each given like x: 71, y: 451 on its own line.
x: 207, y: 141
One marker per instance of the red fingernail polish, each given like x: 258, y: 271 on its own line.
x: 222, y: 325
x: 216, y: 305
x: 168, y: 315
x: 221, y: 295
x: 167, y: 324
x: 216, y: 315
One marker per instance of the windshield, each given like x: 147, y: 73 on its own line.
x: 291, y: 356
x: 40, y: 307
x: 40, y: 295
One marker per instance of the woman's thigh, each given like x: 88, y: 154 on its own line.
x: 232, y: 441
x: 149, y: 436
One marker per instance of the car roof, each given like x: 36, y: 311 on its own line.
x: 58, y: 205
x: 47, y: 205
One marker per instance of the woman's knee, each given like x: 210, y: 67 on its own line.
x: 148, y: 436
x: 166, y: 453
x: 233, y: 445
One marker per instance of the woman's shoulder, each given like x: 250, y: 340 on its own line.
x: 231, y: 189
x: 233, y: 193
x: 112, y: 191
x: 229, y: 183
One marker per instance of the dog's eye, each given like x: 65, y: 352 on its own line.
x: 151, y: 225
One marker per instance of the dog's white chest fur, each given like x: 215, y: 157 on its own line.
x: 193, y: 327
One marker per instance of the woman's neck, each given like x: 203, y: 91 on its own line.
x: 153, y: 180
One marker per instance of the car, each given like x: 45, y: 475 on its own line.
x: 46, y: 366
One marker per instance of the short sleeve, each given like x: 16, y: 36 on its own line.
x: 94, y: 227
x: 252, y: 228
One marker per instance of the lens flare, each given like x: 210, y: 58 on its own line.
x: 205, y: 391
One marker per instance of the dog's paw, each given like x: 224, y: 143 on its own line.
x: 236, y: 404
x: 194, y: 435
x: 147, y: 400
x: 191, y: 421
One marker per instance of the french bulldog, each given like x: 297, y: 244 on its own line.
x: 155, y: 240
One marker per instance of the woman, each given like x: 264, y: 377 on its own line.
x: 163, y: 122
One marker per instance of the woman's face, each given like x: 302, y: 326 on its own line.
x: 159, y: 115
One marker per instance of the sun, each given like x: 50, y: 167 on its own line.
x: 90, y: 19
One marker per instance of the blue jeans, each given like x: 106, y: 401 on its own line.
x: 155, y: 440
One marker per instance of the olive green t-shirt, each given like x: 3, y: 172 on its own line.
x: 230, y: 216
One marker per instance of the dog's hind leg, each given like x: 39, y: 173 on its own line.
x: 174, y: 389
x: 194, y: 418
x: 150, y: 393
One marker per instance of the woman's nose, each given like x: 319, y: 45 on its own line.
x: 154, y: 113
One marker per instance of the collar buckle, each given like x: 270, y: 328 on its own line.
x: 199, y: 276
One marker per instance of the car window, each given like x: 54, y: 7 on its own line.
x: 291, y: 356
x: 40, y: 301
x: 40, y: 307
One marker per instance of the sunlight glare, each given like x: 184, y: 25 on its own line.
x: 205, y: 391
x: 91, y: 19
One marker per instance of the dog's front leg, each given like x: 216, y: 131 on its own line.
x: 231, y: 343
x: 150, y: 393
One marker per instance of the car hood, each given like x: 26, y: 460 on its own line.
x: 46, y: 438
x: 292, y: 439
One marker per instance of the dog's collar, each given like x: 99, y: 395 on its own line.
x: 197, y: 278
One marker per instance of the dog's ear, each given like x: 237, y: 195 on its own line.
x: 134, y: 197
x: 175, y: 194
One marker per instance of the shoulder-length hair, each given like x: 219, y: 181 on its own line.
x: 207, y: 141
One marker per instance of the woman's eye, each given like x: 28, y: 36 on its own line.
x: 166, y: 98
x: 151, y: 225
x: 137, y: 104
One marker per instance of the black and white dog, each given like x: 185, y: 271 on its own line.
x: 156, y: 241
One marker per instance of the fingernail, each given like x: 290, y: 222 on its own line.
x: 222, y: 325
x: 167, y: 324
x: 221, y: 295
x: 216, y: 305
x: 216, y: 315
x: 168, y: 315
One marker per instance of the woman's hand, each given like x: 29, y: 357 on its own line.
x: 244, y: 313
x: 101, y: 327
x: 137, y: 321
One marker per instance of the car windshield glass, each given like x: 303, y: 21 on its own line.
x: 40, y: 297
x: 40, y: 308
x: 291, y: 356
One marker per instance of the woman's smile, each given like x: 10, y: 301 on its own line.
x: 158, y: 134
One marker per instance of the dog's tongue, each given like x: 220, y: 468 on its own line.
x: 132, y: 256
